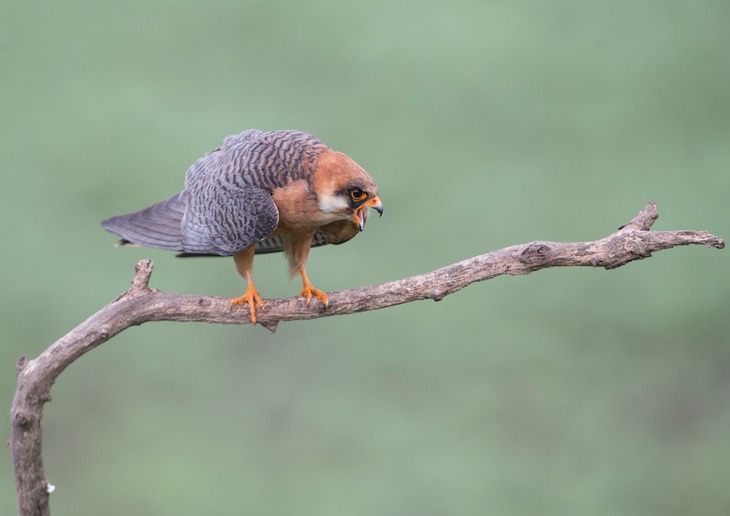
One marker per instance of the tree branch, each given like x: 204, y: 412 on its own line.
x: 140, y: 304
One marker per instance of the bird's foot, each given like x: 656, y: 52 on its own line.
x: 308, y: 291
x: 250, y: 297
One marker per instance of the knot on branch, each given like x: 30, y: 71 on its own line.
x: 22, y: 420
x: 436, y: 295
x: 637, y: 247
x: 535, y: 252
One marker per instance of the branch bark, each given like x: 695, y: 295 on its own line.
x: 140, y: 304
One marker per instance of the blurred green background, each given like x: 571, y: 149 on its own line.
x: 485, y: 124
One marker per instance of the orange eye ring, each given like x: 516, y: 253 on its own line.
x: 358, y: 195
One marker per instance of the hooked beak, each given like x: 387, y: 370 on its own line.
x: 375, y: 204
x: 361, y: 213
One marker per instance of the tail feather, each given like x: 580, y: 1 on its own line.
x: 157, y: 226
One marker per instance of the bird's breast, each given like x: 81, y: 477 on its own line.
x: 298, y: 208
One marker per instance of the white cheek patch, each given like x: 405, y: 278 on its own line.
x: 332, y: 203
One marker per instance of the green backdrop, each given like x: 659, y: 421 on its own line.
x: 485, y: 124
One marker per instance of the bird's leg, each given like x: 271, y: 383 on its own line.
x: 244, y: 263
x: 308, y: 290
x: 251, y: 296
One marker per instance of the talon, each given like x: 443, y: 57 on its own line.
x: 252, y: 298
x: 308, y: 290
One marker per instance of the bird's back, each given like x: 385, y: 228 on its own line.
x: 264, y: 159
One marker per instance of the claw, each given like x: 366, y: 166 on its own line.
x: 250, y: 297
x: 308, y: 290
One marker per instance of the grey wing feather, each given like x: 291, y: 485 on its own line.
x: 157, y: 226
x: 266, y: 159
x: 226, y: 221
x: 225, y: 212
x: 214, y: 162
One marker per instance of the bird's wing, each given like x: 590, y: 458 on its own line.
x: 155, y: 226
x: 225, y: 213
x: 225, y: 219
x: 275, y: 244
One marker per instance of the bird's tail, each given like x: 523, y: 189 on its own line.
x: 157, y: 226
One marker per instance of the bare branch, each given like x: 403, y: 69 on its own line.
x: 140, y: 304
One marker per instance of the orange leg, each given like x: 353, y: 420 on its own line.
x: 308, y: 290
x: 244, y: 263
x: 251, y: 296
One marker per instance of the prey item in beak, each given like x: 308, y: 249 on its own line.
x: 361, y: 213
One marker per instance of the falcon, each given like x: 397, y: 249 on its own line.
x: 260, y: 192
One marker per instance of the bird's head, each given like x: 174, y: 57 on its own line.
x: 344, y: 190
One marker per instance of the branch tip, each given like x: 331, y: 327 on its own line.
x: 143, y: 271
x: 644, y: 220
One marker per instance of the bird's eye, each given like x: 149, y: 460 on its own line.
x: 357, y: 195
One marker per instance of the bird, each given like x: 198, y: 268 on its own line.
x: 259, y: 192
